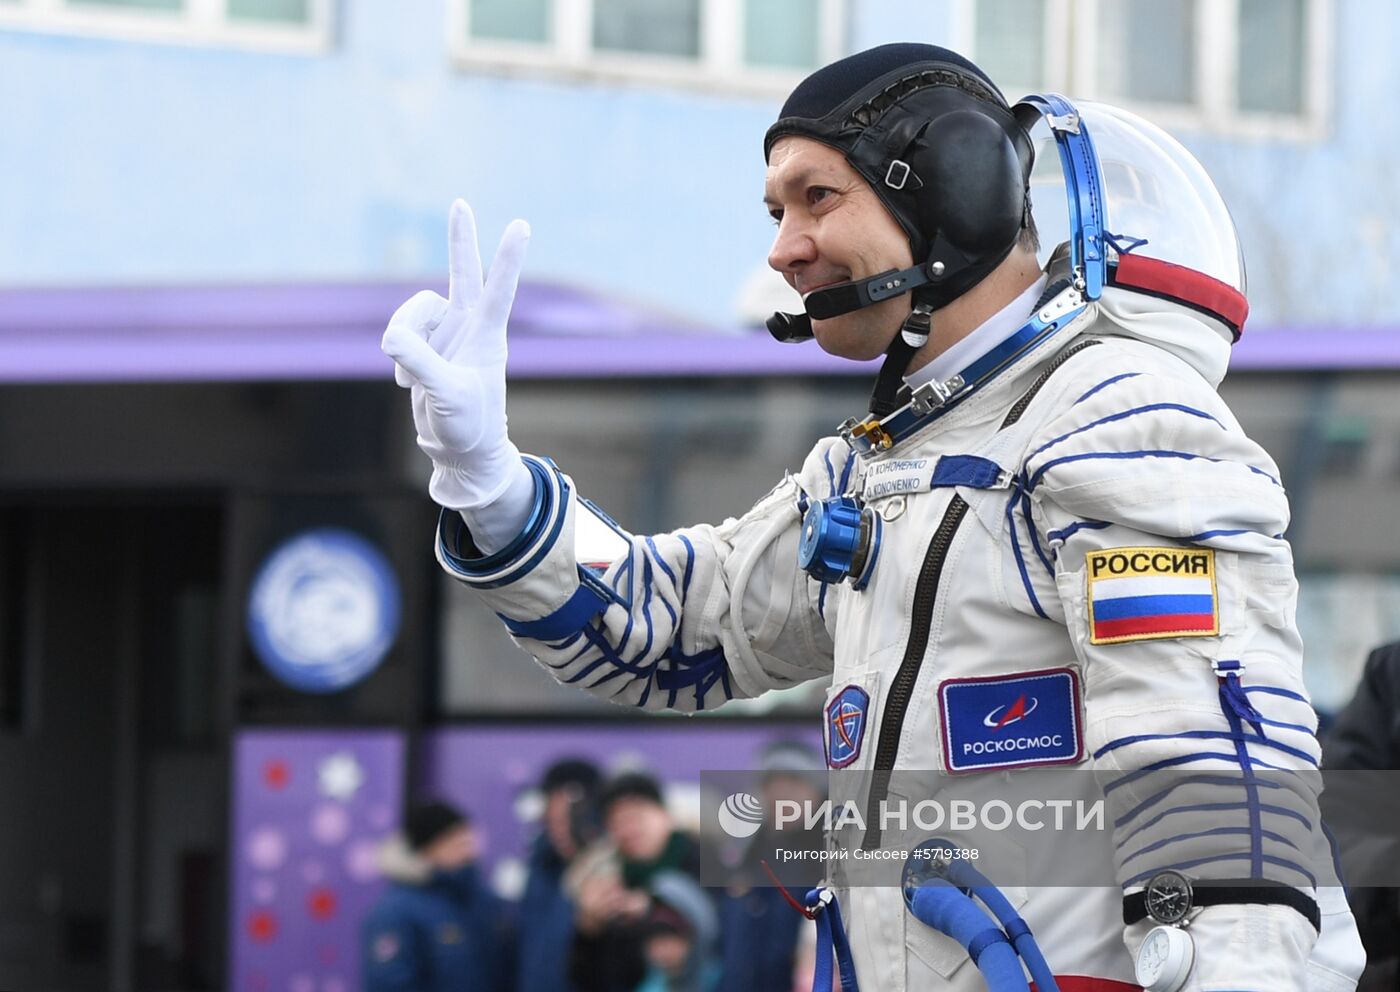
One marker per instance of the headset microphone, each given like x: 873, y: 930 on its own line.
x: 790, y: 328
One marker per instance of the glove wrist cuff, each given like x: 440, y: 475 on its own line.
x: 460, y: 555
x: 457, y: 488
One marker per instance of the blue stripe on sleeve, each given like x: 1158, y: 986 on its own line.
x: 1206, y: 535
x: 1197, y: 862
x: 1213, y: 808
x: 1039, y: 475
x: 581, y: 607
x: 1183, y: 759
x: 1035, y: 539
x: 1311, y: 731
x: 689, y: 565
x: 1107, y: 382
x: 1213, y: 832
x: 1125, y: 414
x: 1275, y: 691
x: 1207, y: 778
x: 661, y: 562
x: 1207, y: 735
x: 846, y: 473
x: 1256, y: 844
x: 646, y: 607
x: 1016, y: 552
x: 1064, y: 534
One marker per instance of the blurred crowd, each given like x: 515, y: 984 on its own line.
x: 612, y: 900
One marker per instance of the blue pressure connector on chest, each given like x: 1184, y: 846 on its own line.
x: 840, y: 540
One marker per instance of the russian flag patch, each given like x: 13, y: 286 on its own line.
x: 1140, y: 594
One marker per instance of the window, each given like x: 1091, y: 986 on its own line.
x: 277, y: 25
x: 648, y: 27
x: 1253, y: 67
x: 511, y: 20
x: 1270, y: 56
x: 782, y: 34
x: 1145, y: 51
x: 1010, y: 43
x: 750, y: 44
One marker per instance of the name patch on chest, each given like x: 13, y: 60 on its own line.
x: 1141, y: 594
x: 898, y: 477
x: 1011, y: 721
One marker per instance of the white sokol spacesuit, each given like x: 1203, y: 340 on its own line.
x: 1074, y: 560
x: 725, y: 612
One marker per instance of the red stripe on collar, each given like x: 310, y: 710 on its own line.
x: 1195, y: 289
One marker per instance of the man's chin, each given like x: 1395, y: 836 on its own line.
x: 847, y: 336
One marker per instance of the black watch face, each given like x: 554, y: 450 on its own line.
x: 1168, y: 897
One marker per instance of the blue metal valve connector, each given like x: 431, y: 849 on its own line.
x: 831, y: 539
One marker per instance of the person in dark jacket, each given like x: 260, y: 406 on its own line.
x: 1366, y: 733
x: 613, y: 879
x: 570, y: 823
x: 1366, y: 737
x: 761, y: 930
x: 438, y: 928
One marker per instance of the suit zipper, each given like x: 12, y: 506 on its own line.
x: 925, y: 597
x: 902, y: 689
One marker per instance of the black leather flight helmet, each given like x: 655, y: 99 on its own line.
x: 936, y: 140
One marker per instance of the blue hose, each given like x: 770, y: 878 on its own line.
x: 1021, y: 937
x: 969, y: 879
x: 961, y: 873
x: 941, y: 905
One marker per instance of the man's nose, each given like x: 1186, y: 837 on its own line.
x: 792, y: 248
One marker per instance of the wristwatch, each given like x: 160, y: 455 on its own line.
x: 1171, y: 900
x: 1168, y: 897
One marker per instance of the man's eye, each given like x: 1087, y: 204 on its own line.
x: 817, y: 194
x: 777, y: 216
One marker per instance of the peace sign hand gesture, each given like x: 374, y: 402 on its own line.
x: 451, y: 355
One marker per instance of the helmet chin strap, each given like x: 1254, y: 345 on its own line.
x: 833, y: 301
x: 913, y: 335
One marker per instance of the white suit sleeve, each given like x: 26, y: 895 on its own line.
x: 1160, y: 525
x: 685, y: 620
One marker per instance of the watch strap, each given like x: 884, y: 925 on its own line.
x: 1233, y: 892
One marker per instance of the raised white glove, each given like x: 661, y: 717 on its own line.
x: 451, y: 355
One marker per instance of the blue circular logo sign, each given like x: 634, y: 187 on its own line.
x: 323, y: 610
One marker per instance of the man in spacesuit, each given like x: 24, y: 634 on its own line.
x: 1048, y: 517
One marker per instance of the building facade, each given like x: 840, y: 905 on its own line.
x: 212, y: 206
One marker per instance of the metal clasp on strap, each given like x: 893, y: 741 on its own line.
x: 897, y: 174
x: 868, y: 431
x: 1064, y: 302
x: 931, y: 395
x: 1067, y: 123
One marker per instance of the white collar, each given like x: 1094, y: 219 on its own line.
x: 992, y: 332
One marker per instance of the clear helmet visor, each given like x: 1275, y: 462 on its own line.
x: 1155, y: 193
